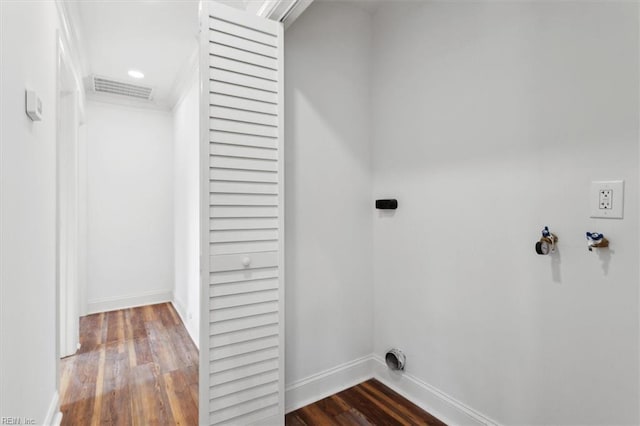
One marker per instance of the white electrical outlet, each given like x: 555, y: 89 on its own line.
x: 607, y: 199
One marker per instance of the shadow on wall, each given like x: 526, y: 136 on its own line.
x: 329, y: 203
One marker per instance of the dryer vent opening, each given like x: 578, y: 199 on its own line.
x: 395, y: 360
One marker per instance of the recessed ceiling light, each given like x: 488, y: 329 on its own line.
x: 135, y: 74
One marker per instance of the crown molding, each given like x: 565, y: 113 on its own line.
x: 285, y: 11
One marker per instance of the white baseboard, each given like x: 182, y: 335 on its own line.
x: 337, y: 379
x: 432, y: 400
x: 180, y: 309
x: 326, y: 383
x: 131, y: 301
x: 182, y: 313
x: 53, y: 416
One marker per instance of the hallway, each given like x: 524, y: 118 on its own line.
x: 135, y: 366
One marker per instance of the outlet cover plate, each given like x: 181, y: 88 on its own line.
x: 611, y: 190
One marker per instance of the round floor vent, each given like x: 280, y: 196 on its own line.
x: 395, y: 359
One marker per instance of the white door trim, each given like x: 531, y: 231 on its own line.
x: 67, y: 200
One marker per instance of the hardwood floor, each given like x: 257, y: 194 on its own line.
x: 135, y: 367
x: 369, y: 403
x: 139, y: 367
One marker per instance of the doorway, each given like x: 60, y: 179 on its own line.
x: 126, y: 307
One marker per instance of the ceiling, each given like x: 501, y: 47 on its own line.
x: 160, y: 38
x: 157, y: 37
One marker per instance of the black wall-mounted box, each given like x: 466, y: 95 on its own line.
x: 390, y: 204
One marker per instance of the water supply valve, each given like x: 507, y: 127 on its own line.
x: 547, y: 243
x: 596, y: 240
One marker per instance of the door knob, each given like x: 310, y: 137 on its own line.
x: 246, y: 261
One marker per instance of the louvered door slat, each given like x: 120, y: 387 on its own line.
x: 244, y: 152
x: 244, y: 68
x: 245, y: 414
x: 243, y: 56
x: 244, y: 275
x: 240, y: 360
x: 243, y: 287
x: 244, y: 385
x: 255, y: 417
x: 242, y: 311
x: 234, y: 337
x: 246, y: 323
x: 235, y: 262
x: 238, y: 175
x: 241, y: 163
x: 243, y: 396
x: 252, y: 211
x: 241, y: 200
x: 243, y: 115
x: 241, y: 127
x: 221, y: 224
x: 244, y: 299
x: 239, y: 29
x: 236, y: 247
x: 244, y: 200
x: 222, y: 187
x: 243, y: 348
x: 242, y: 218
x: 241, y: 104
x: 244, y: 235
x: 243, y: 139
x: 244, y: 92
x: 243, y: 44
x: 234, y: 77
x: 241, y: 336
x: 245, y: 371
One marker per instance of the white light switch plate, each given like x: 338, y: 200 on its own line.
x: 607, y: 199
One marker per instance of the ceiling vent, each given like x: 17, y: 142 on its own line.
x: 121, y: 88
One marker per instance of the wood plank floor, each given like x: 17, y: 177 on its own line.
x: 135, y: 367
x: 369, y: 403
x: 139, y: 367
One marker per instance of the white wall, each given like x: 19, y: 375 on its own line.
x: 186, y: 213
x: 490, y: 120
x: 130, y: 206
x: 329, y: 204
x: 27, y: 211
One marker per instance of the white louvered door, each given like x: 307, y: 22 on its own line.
x: 242, y: 338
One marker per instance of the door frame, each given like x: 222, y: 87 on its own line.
x: 67, y: 229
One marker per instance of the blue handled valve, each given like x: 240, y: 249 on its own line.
x: 597, y: 240
x: 547, y: 243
